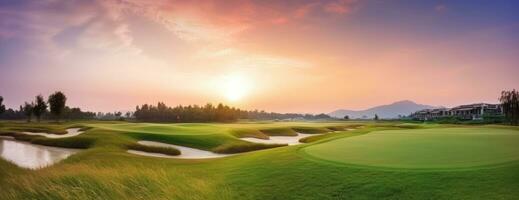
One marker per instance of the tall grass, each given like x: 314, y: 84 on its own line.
x: 311, y: 130
x: 280, y: 131
x: 154, y: 149
x: 243, y: 147
x: 254, y: 133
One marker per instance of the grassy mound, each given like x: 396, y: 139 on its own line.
x: 254, y: 133
x: 39, y: 129
x: 243, y: 147
x: 279, y: 131
x: 72, y: 142
x: 312, y: 138
x: 344, y: 127
x: 78, y: 142
x: 444, y: 148
x: 311, y: 130
x: 154, y: 149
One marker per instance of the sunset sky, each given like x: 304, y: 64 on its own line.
x: 284, y: 56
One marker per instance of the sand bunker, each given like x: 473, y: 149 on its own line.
x: 71, y: 132
x: 185, y: 152
x: 290, y: 140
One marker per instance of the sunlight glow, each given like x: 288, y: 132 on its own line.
x: 236, y: 87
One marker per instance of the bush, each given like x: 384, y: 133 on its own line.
x: 154, y: 149
x: 72, y: 142
x: 244, y: 147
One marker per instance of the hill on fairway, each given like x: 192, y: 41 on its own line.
x: 444, y: 148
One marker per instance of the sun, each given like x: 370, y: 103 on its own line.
x: 236, y: 87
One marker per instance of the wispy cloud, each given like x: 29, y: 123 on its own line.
x: 440, y: 8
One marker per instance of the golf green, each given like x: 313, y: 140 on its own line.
x: 440, y: 148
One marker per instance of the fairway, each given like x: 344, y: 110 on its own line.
x: 444, y: 148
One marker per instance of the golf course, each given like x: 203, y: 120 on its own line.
x: 338, y: 160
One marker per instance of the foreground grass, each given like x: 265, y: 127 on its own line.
x: 106, y: 171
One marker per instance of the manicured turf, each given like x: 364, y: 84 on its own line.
x: 106, y: 171
x: 443, y: 148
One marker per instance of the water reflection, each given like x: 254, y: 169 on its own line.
x: 32, y: 156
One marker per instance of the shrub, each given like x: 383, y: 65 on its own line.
x: 244, y: 147
x: 72, y: 142
x: 154, y: 149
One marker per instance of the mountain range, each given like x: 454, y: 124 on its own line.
x: 389, y: 111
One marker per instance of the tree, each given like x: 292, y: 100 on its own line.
x: 376, y: 117
x: 27, y: 110
x: 2, y: 106
x: 39, y: 108
x: 510, y: 103
x: 57, y: 104
x: 346, y: 117
x: 128, y: 115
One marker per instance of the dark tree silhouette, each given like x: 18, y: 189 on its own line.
x: 346, y: 117
x: 57, y: 104
x: 27, y: 110
x: 39, y: 108
x: 510, y: 102
x: 208, y: 113
x: 2, y: 106
x: 376, y: 117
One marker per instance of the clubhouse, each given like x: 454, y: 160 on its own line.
x: 465, y: 112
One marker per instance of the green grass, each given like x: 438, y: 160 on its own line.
x: 81, y: 141
x: 279, y: 131
x: 106, y: 171
x: 154, y: 149
x: 243, y: 147
x: 444, y: 148
x: 311, y: 130
x: 254, y: 133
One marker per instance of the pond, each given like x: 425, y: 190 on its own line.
x: 32, y: 156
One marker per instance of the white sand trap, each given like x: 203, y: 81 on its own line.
x: 71, y: 132
x: 290, y: 140
x: 185, y: 152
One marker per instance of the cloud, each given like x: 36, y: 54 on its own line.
x: 339, y: 7
x: 66, y: 30
x: 440, y: 8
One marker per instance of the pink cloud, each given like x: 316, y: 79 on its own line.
x: 339, y: 7
x: 303, y: 10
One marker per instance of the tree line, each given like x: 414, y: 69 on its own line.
x: 209, y: 113
x: 54, y: 108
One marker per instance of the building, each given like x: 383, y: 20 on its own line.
x: 428, y: 114
x: 464, y: 112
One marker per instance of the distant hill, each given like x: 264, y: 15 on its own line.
x: 384, y: 112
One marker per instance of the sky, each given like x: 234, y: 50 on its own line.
x: 304, y: 56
